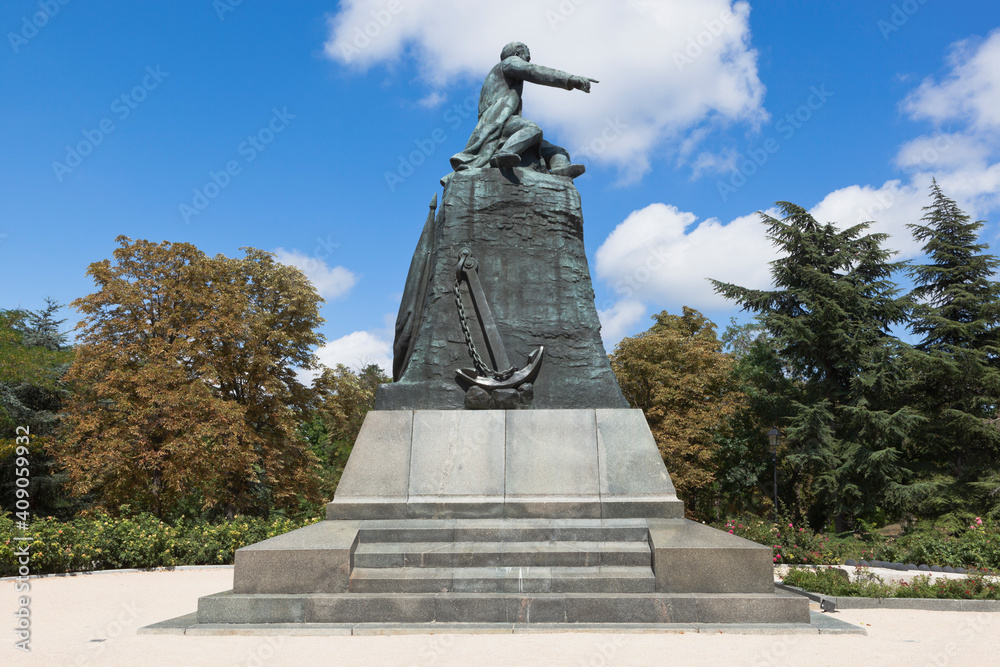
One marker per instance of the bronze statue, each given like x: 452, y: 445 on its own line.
x: 504, y: 138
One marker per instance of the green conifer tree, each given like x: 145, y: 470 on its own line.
x: 958, y: 362
x: 830, y: 316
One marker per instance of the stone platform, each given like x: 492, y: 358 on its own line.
x: 505, y: 464
x: 491, y: 517
x: 628, y: 571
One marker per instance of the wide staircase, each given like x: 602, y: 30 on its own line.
x: 513, y: 556
x: 512, y: 572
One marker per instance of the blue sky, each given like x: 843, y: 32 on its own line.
x: 326, y: 142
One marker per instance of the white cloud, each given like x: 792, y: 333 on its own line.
x: 649, y: 258
x: 617, y: 321
x: 432, y: 100
x: 665, y: 67
x: 964, y: 159
x: 357, y: 350
x: 942, y: 150
x: 971, y: 90
x: 330, y: 282
x: 891, y: 207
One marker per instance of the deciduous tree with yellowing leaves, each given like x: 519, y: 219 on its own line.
x: 185, y: 385
x: 678, y: 374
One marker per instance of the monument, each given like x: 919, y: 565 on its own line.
x: 502, y: 478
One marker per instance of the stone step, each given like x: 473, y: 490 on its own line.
x: 647, y: 608
x: 609, y: 579
x: 504, y: 530
x: 501, y: 554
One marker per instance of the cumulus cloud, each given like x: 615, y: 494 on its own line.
x: 971, y: 90
x: 330, y: 282
x: 666, y: 67
x: 357, y: 350
x: 964, y: 106
x: 618, y: 320
x: 649, y: 258
x: 890, y: 208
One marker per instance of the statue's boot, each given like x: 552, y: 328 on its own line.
x: 505, y: 160
x: 569, y: 170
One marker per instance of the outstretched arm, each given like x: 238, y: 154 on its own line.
x: 518, y: 68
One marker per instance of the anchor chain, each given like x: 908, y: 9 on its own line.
x: 481, y: 366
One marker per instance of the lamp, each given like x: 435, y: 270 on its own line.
x: 774, y: 440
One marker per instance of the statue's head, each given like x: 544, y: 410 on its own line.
x: 519, y: 49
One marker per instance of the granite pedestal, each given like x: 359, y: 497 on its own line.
x: 504, y: 517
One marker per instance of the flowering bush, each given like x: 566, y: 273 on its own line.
x: 791, y: 543
x: 102, y: 542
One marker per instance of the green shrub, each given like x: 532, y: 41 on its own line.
x: 830, y: 581
x: 101, y: 542
x: 976, y: 546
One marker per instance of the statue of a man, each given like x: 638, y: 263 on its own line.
x: 503, y: 138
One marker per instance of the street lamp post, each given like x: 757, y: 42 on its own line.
x: 774, y: 439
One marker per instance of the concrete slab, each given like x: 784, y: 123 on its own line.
x: 552, y: 453
x: 379, y: 466
x: 313, y: 559
x: 630, y: 463
x: 689, y: 557
x: 505, y: 464
x: 229, y: 608
x: 457, y: 454
x: 171, y: 626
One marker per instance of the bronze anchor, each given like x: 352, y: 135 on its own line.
x: 483, y: 376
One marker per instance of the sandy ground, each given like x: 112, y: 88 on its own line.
x: 92, y: 620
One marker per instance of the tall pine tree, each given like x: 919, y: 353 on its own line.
x: 957, y: 361
x: 830, y: 316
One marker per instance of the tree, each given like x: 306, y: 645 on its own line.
x: 677, y: 373
x: 957, y: 317
x: 830, y: 316
x: 42, y: 329
x: 33, y: 360
x: 343, y: 398
x: 743, y: 458
x: 185, y: 381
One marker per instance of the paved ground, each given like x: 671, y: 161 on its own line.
x: 92, y: 620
